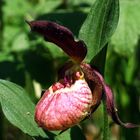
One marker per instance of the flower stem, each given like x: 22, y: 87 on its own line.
x: 99, y: 62
x: 106, y: 124
x: 2, y: 126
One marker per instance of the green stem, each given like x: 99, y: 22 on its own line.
x: 1, y: 45
x: 106, y: 124
x: 99, y: 62
x: 1, y: 24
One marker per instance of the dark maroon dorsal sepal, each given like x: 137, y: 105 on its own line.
x: 61, y: 36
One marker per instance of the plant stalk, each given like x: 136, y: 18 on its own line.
x: 106, y: 124
x: 1, y: 45
x: 99, y: 62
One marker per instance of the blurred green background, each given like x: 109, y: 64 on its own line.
x: 29, y: 61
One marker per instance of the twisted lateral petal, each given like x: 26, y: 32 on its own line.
x: 94, y: 84
x: 112, y: 111
x: 62, y: 107
x: 61, y: 36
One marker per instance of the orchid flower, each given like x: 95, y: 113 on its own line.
x: 80, y: 87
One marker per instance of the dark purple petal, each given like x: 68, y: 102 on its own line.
x: 67, y: 66
x: 111, y: 109
x: 94, y: 84
x: 61, y: 36
x: 94, y: 75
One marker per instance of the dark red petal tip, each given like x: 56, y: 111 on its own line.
x: 111, y: 109
x: 61, y: 36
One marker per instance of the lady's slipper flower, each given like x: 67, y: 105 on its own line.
x: 65, y: 103
x: 80, y: 88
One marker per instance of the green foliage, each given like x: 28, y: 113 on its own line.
x: 73, y: 133
x: 26, y: 59
x: 99, y: 26
x: 127, y: 34
x: 18, y: 108
x: 64, y: 135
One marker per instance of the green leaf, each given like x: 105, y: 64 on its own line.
x: 64, y: 136
x: 18, y: 108
x: 17, y: 46
x: 127, y: 34
x: 46, y: 6
x: 99, y: 25
x: 74, y: 133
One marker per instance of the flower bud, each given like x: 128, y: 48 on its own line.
x: 64, y: 104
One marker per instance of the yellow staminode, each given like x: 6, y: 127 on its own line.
x: 80, y: 75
